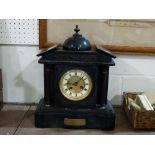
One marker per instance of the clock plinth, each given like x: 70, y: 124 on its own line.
x: 102, y: 117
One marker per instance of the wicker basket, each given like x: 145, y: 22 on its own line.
x: 139, y: 119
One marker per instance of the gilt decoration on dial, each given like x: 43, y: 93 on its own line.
x: 75, y: 84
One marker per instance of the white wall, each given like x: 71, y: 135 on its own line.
x: 131, y: 73
x: 23, y: 76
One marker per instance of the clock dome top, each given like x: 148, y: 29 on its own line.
x: 77, y: 42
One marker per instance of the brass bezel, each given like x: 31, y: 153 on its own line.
x: 75, y: 98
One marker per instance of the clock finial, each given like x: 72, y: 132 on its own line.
x: 77, y: 31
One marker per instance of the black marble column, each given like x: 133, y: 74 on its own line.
x: 48, y: 84
x: 104, y: 84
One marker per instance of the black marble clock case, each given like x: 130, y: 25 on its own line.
x: 95, y: 109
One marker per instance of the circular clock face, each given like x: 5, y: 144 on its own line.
x: 75, y: 84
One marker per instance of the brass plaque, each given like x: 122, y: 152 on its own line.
x: 74, y: 122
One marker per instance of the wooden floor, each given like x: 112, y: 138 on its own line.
x: 19, y: 120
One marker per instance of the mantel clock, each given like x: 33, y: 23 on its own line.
x: 75, y: 86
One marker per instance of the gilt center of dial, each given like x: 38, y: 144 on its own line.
x: 76, y: 84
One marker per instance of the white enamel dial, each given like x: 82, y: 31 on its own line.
x: 75, y: 84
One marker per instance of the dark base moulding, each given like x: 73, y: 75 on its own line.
x: 81, y: 118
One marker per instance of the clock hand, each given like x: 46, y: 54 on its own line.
x: 76, y: 83
x: 69, y: 83
x: 81, y: 87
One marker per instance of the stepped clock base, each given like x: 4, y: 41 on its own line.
x: 59, y: 117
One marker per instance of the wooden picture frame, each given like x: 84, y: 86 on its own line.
x: 132, y: 50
